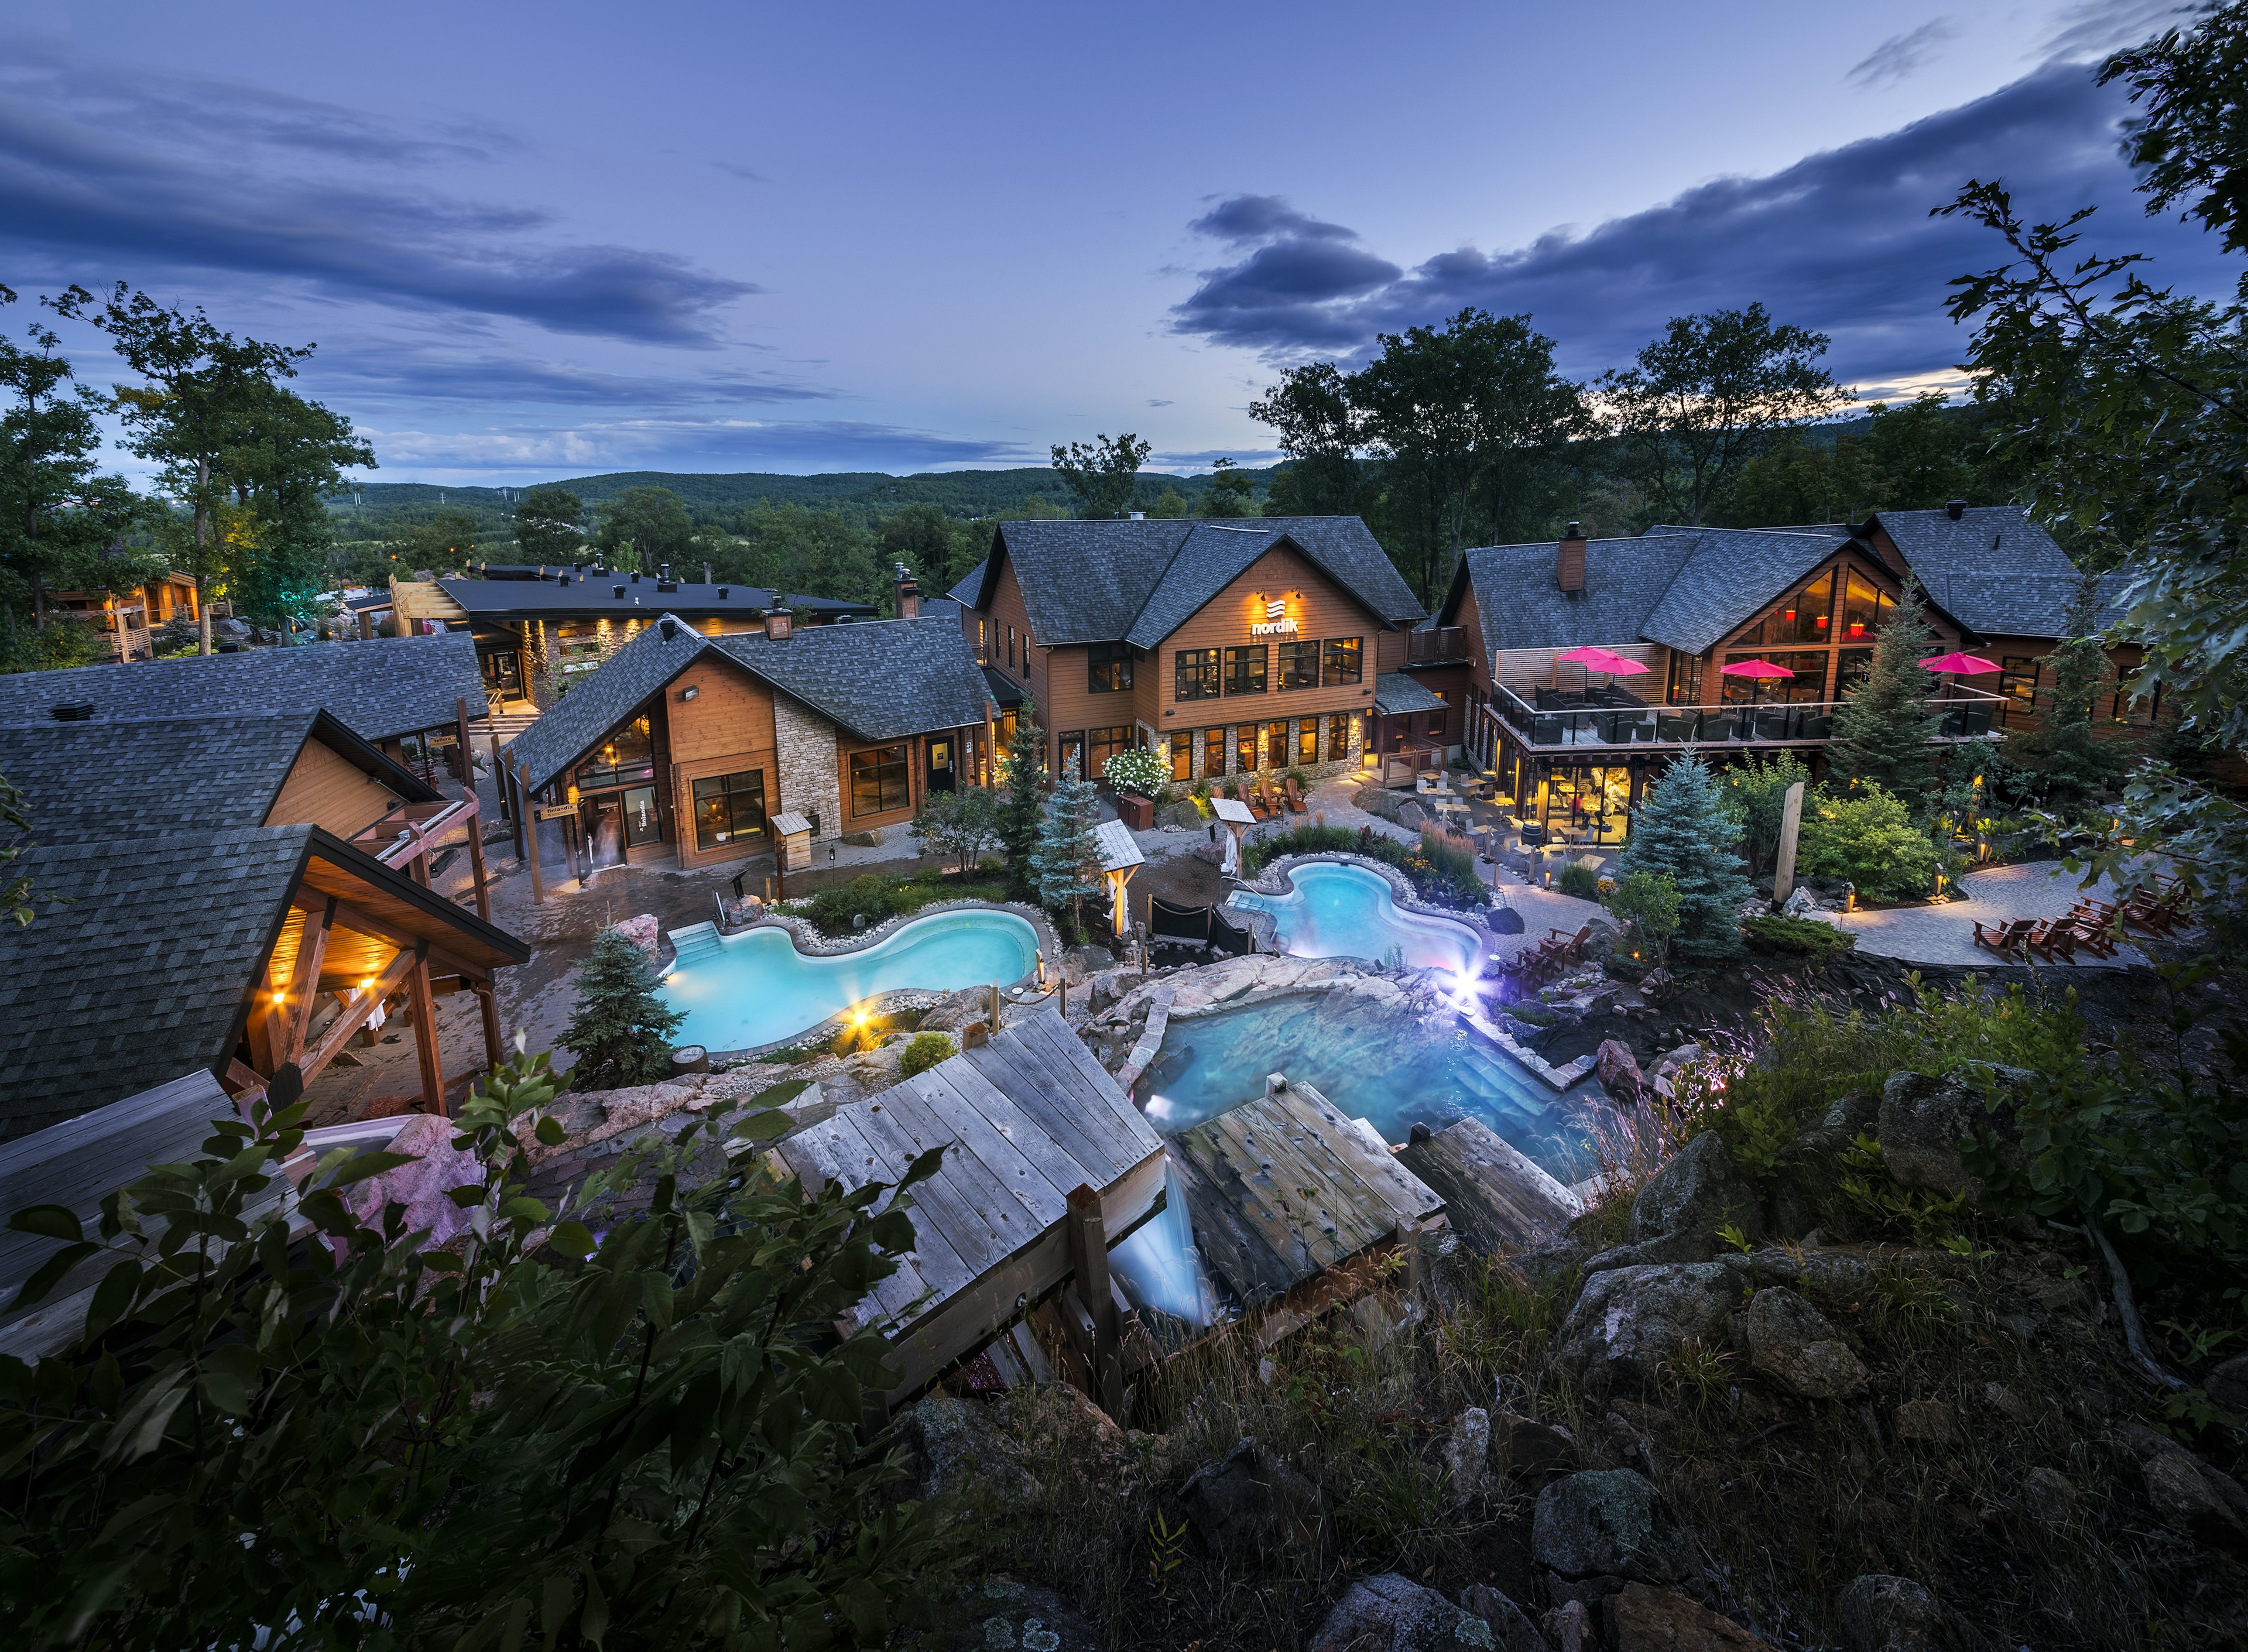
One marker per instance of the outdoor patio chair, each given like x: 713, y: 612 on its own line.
x: 2054, y: 937
x: 1549, y: 699
x: 2004, y: 939
x: 1954, y: 723
x: 1977, y: 722
x: 1718, y: 725
x: 2092, y: 935
x: 1772, y: 722
x: 1641, y: 728
x: 1676, y: 728
x: 1295, y: 803
x: 1545, y: 729
x: 1815, y: 726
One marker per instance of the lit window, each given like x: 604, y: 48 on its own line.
x: 730, y: 809
x: 878, y: 780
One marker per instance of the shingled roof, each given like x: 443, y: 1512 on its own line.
x: 1731, y: 575
x: 98, y: 781
x: 590, y: 595
x: 378, y: 689
x: 1137, y: 582
x: 877, y: 680
x: 1993, y: 569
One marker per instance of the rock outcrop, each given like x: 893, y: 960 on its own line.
x: 1251, y: 1500
x: 1678, y: 1214
x: 1394, y: 1613
x: 1608, y: 1523
x: 1628, y: 1322
x: 1792, y: 1342
x: 1925, y: 1123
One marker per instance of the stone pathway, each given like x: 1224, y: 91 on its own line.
x: 1945, y: 934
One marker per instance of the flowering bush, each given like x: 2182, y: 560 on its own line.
x: 1141, y: 772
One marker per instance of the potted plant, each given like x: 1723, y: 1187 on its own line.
x: 1137, y: 776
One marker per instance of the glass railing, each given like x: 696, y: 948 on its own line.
x: 1963, y: 713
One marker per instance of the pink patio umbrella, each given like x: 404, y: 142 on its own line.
x: 1757, y: 671
x: 1965, y: 665
x: 1595, y: 658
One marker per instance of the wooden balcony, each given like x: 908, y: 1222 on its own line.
x: 1618, y: 723
x: 1437, y: 645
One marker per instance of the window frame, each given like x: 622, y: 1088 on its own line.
x: 1292, y: 655
x: 902, y: 763
x: 1243, y: 654
x: 1213, y: 744
x: 1111, y: 660
x: 1307, y: 729
x: 1182, y: 754
x: 1338, y: 736
x: 1342, y: 662
x: 734, y: 833
x: 1208, y: 675
x: 1109, y: 741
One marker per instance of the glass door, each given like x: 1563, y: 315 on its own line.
x: 605, y: 831
x: 642, y: 823
x: 941, y: 765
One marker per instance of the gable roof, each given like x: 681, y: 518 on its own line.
x: 971, y: 583
x: 1994, y: 569
x: 1137, y: 582
x: 1731, y: 575
x: 879, y: 680
x: 378, y: 689
x: 148, y: 779
x: 588, y: 594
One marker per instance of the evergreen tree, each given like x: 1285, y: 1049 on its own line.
x: 1685, y: 833
x: 2073, y: 765
x: 1882, y: 730
x: 1066, y: 862
x: 621, y: 1032
x: 1023, y: 773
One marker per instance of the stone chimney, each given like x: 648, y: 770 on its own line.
x: 1569, y: 559
x: 908, y: 593
x: 776, y: 623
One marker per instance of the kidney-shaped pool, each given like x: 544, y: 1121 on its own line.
x: 742, y: 991
x: 1334, y: 910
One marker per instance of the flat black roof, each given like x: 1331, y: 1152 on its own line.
x: 594, y: 596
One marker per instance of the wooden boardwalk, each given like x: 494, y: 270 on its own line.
x: 1030, y: 1117
x: 1286, y: 1185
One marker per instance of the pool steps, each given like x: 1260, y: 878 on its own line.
x: 693, y: 944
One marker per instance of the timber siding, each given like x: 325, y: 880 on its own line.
x: 728, y: 728
x: 327, y: 790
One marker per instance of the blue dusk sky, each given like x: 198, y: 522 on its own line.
x: 545, y: 241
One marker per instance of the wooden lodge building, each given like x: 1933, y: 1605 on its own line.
x: 129, y: 618
x: 1569, y: 745
x: 230, y: 893
x: 538, y: 629
x: 1228, y: 647
x: 698, y: 749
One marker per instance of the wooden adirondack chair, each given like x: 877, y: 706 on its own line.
x: 2093, y: 935
x: 2006, y: 939
x: 2054, y: 937
x: 1268, y: 798
x: 1295, y: 803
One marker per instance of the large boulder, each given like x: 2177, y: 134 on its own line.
x: 957, y: 1445
x: 1002, y: 1615
x: 1790, y: 1342
x: 1252, y: 1500
x: 1925, y: 1122
x: 1809, y: 1173
x: 1467, y: 1457
x: 1629, y: 1322
x: 1394, y: 1613
x: 1643, y: 1619
x: 1510, y: 1627
x: 1678, y: 1214
x: 1522, y: 1445
x: 1182, y: 814
x: 1608, y: 1523
x: 1502, y: 919
x: 425, y: 1186
x: 1619, y: 1071
x: 1885, y: 1614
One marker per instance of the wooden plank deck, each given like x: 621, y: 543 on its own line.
x: 1286, y: 1185
x: 1028, y: 1117
x: 1495, y: 1197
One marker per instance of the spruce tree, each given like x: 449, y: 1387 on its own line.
x: 1683, y: 832
x: 621, y: 1031
x: 2073, y: 765
x: 1023, y: 773
x: 1882, y: 731
x: 1066, y: 862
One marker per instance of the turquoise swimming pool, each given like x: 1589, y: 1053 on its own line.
x: 742, y: 991
x: 1390, y: 1066
x: 1333, y: 910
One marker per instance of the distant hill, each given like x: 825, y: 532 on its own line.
x: 967, y: 494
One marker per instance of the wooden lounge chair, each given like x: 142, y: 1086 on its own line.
x: 2006, y: 939
x: 1295, y: 803
x: 2055, y: 937
x: 2092, y: 935
x: 1268, y: 799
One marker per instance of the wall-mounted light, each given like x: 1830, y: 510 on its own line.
x: 690, y: 691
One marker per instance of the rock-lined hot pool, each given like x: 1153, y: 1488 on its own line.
x: 1381, y: 1062
x: 1333, y: 910
x: 755, y: 988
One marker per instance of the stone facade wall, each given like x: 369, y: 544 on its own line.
x: 1331, y: 761
x: 810, y: 783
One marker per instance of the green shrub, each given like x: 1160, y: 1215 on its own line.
x: 1868, y: 838
x: 620, y: 1030
x: 1582, y: 881
x: 1303, y: 839
x: 1804, y: 937
x: 924, y: 1052
x: 1647, y: 904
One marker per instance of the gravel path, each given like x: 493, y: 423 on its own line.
x: 1946, y: 934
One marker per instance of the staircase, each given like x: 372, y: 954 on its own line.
x: 693, y: 943
x: 506, y: 725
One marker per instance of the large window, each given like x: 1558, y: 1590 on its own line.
x: 1107, y: 667
x: 730, y: 809
x: 1196, y: 674
x: 1851, y: 666
x: 1073, y: 755
x: 1307, y: 740
x: 878, y: 781
x: 1101, y: 745
x: 1276, y: 743
x: 1808, y: 684
x: 1213, y: 753
x: 1245, y: 669
x: 1863, y: 605
x: 2018, y: 679
x: 1244, y: 749
x: 1183, y: 755
x: 627, y: 755
x: 1344, y: 658
x: 1299, y: 665
x: 1338, y: 736
x: 1805, y: 617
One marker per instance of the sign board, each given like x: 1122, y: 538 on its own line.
x: 1791, y: 824
x: 1277, y: 621
x: 558, y: 812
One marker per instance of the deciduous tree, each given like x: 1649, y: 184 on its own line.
x: 547, y: 526
x: 1103, y: 474
x: 1309, y: 411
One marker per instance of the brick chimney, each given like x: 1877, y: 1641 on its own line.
x: 776, y: 623
x: 908, y: 592
x: 1569, y: 559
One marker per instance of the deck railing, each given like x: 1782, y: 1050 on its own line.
x: 1439, y: 643
x: 1966, y: 714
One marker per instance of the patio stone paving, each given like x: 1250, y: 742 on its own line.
x: 1946, y: 934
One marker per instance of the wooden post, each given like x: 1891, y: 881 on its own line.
x: 304, y: 984
x: 1791, y: 824
x: 995, y: 1006
x: 1409, y: 1240
x: 366, y: 625
x: 528, y: 811
x: 495, y: 1045
x: 426, y: 1054
x: 1087, y: 1238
